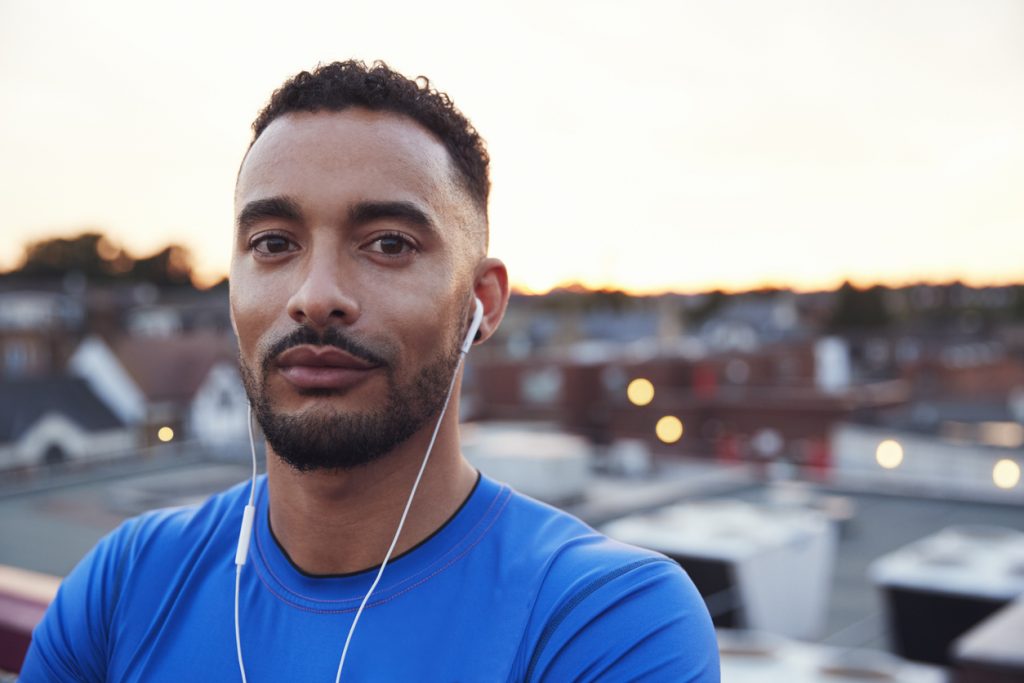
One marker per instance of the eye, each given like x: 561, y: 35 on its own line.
x: 271, y: 244
x: 392, y: 245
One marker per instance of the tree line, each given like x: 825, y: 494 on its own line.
x: 99, y: 260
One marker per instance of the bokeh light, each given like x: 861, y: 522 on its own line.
x: 640, y: 391
x: 889, y: 454
x: 1006, y: 474
x: 669, y: 429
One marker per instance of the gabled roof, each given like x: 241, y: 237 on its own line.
x: 24, y: 401
x: 173, y: 368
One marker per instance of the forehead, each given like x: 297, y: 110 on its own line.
x: 354, y: 153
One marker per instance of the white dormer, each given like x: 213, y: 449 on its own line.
x: 96, y: 363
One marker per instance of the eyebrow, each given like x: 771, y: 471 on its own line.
x: 286, y: 208
x: 369, y: 211
x: 271, y: 207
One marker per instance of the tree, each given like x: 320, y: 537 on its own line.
x: 59, y: 256
x: 171, y: 266
x: 709, y: 305
x: 1017, y: 307
x: 859, y: 308
x: 94, y: 256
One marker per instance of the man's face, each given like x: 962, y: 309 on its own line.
x: 351, y: 282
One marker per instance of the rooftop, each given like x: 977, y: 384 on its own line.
x: 24, y: 401
x: 74, y: 510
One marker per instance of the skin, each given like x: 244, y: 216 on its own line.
x: 390, y: 283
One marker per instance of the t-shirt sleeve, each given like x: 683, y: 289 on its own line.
x: 72, y: 640
x: 644, y: 621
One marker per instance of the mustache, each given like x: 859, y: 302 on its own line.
x: 331, y: 336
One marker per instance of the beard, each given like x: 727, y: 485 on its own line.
x: 322, y: 438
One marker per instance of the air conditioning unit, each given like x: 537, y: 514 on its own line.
x: 937, y: 588
x: 758, y: 567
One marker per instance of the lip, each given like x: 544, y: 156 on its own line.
x: 322, y: 367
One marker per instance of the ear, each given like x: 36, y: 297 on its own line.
x: 490, y: 285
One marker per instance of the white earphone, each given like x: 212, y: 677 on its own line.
x: 474, y: 325
x: 245, y: 533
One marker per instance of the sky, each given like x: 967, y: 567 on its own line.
x: 644, y: 146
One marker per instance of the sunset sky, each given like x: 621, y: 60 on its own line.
x: 648, y: 146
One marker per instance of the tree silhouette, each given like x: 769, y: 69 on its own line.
x: 859, y: 308
x: 96, y: 258
x: 1017, y: 308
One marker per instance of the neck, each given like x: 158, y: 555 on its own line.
x: 339, y: 522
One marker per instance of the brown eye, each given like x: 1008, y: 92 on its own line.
x: 392, y: 245
x: 271, y: 244
x: 276, y: 245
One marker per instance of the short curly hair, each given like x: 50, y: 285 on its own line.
x: 340, y: 85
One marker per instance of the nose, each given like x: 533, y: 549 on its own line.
x: 322, y: 298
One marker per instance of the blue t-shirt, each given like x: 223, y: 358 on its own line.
x: 509, y: 589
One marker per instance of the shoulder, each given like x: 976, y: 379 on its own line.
x: 570, y: 552
x: 155, y: 536
x: 607, y: 608
x: 74, y: 638
x: 187, y: 524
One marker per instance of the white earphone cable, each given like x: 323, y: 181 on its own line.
x: 401, y: 522
x: 244, y: 534
x: 247, y: 519
x: 238, y: 639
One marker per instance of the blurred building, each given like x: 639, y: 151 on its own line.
x: 38, y: 331
x: 778, y: 401
x: 188, y: 384
x: 56, y: 419
x: 959, y: 449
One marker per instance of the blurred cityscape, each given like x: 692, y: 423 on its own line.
x: 838, y: 471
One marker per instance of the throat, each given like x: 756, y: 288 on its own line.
x: 339, y: 524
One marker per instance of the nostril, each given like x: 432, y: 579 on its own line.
x: 320, y: 317
x: 323, y: 299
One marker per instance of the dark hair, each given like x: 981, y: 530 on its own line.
x: 340, y: 85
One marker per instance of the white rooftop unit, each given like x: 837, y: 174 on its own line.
x: 757, y: 566
x: 940, y: 586
x: 975, y: 561
x: 532, y: 458
x: 752, y: 657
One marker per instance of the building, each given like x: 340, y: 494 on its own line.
x: 55, y: 419
x: 180, y: 387
x: 38, y: 331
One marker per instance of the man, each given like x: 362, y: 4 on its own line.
x: 360, y: 245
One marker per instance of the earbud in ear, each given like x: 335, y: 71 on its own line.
x: 474, y: 327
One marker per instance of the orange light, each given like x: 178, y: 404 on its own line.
x: 640, y: 391
x: 669, y: 429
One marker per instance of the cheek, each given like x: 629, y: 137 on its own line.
x: 253, y: 309
x: 415, y: 320
x: 438, y: 328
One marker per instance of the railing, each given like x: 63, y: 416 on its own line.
x: 24, y: 596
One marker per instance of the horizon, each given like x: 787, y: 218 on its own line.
x: 569, y: 286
